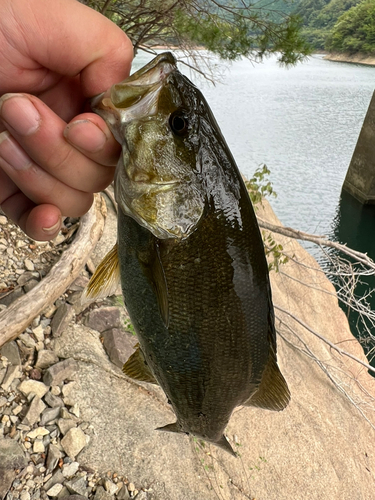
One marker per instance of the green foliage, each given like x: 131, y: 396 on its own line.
x: 319, y: 18
x: 259, y: 185
x: 273, y: 251
x: 129, y: 327
x: 230, y: 29
x: 355, y: 30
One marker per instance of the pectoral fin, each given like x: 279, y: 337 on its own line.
x: 105, y: 280
x: 137, y: 368
x: 273, y: 392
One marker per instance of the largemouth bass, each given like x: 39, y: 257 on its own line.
x: 189, y: 254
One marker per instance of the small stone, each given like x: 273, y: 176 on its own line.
x: 73, y: 442
x: 104, y: 318
x: 3, y: 220
x: 30, y: 285
x: 49, y: 312
x: 28, y: 386
x: 35, y: 374
x: 64, y: 370
x: 38, y: 446
x: 55, y: 490
x: 11, y: 455
x: 25, y: 495
x: 78, y: 486
x: 45, y: 359
x: 39, y: 431
x: 101, y: 494
x: 16, y: 410
x: 39, y: 333
x: 55, y: 390
x: 142, y: 495
x: 69, y: 470
x: 54, y: 455
x: 53, y: 401
x: 49, y: 414
x: 27, y: 340
x: 123, y: 494
x: 13, y: 372
x: 11, y: 352
x: 131, y: 487
x: 24, y: 278
x: 65, y: 425
x: 119, y: 345
x: 67, y: 391
x: 57, y: 478
x: 110, y: 487
x: 35, y: 409
x: 61, y: 319
x: 29, y: 265
x: 75, y: 410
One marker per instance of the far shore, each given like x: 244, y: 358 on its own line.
x: 354, y: 58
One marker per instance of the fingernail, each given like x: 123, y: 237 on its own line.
x: 52, y: 229
x: 19, y: 113
x: 85, y: 135
x: 12, y: 153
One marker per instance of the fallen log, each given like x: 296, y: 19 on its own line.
x: 22, y: 311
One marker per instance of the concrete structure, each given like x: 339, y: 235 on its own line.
x: 360, y: 178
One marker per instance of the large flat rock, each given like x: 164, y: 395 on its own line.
x: 320, y: 447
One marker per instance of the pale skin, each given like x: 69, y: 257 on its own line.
x: 54, y: 56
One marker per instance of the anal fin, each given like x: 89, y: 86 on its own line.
x: 105, y: 280
x: 137, y: 368
x: 273, y: 393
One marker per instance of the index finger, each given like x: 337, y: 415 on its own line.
x: 70, y: 39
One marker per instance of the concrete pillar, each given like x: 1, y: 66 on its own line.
x: 360, y: 178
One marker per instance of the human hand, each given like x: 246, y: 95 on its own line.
x: 60, y: 53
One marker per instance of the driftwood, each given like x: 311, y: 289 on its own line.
x: 22, y: 311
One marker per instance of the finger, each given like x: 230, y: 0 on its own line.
x: 39, y: 131
x: 41, y: 222
x: 36, y: 183
x: 83, y: 41
x: 90, y: 135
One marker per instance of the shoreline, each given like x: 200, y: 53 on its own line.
x: 358, y: 58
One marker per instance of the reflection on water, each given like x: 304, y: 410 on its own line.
x: 354, y: 225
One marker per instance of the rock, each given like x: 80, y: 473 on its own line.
x: 79, y: 284
x: 119, y: 345
x: 38, y: 446
x: 35, y: 409
x: 49, y: 414
x: 24, y: 278
x: 57, y: 478
x: 3, y: 220
x: 45, y: 359
x: 28, y: 386
x: 35, y: 374
x: 67, y: 391
x: 30, y: 285
x: 61, y: 319
x: 103, y: 318
x: 123, y: 494
x: 11, y: 352
x: 69, y: 470
x: 27, y: 340
x: 101, y: 494
x: 110, y: 487
x: 29, y: 265
x: 39, y: 431
x: 25, y: 495
x: 39, y: 333
x: 11, y: 297
x: 55, y: 490
x: 53, y: 456
x: 13, y: 372
x: 53, y: 401
x: 142, y: 495
x: 73, y: 442
x: 65, y: 424
x: 12, y: 458
x: 76, y: 497
x: 64, y: 370
x: 78, y: 486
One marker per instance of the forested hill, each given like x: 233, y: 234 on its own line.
x: 339, y: 25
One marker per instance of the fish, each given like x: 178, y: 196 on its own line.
x: 189, y: 256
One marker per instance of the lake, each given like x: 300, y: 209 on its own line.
x: 303, y: 123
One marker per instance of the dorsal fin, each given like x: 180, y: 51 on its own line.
x: 137, y: 368
x: 105, y: 280
x: 175, y: 427
x: 273, y: 392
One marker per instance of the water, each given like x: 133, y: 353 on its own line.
x: 303, y: 123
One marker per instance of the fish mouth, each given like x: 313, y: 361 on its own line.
x: 130, y: 98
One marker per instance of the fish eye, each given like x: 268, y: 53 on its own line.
x: 178, y: 123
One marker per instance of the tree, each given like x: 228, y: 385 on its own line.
x: 230, y: 29
x: 355, y: 30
